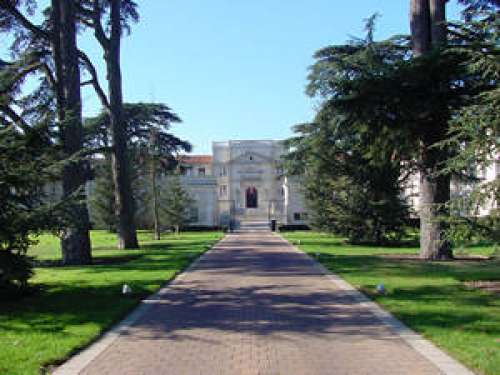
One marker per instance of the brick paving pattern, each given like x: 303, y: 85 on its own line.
x: 255, y: 306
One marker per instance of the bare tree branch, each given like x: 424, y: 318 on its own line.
x: 97, y: 25
x: 95, y: 80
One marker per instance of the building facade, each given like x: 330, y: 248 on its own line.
x: 242, y: 181
x: 458, y: 189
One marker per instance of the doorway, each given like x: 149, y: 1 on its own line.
x: 251, y: 197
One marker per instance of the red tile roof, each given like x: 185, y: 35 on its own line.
x: 196, y: 159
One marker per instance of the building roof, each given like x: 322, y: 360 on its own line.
x: 195, y: 159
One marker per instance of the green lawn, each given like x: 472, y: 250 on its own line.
x: 429, y: 297
x: 76, y: 304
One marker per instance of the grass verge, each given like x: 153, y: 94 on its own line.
x: 76, y: 304
x: 430, y: 297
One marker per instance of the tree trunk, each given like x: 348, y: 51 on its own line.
x: 437, y: 11
x: 75, y: 242
x: 155, y: 201
x: 434, y: 193
x: 429, y: 31
x: 127, y: 236
x: 420, y: 26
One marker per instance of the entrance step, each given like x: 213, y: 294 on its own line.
x: 254, y: 226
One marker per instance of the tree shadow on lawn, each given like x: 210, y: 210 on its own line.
x: 79, y: 297
x: 77, y: 293
x: 336, y: 242
x: 55, y: 309
x: 373, y: 265
x: 446, y: 308
x: 96, y: 260
x: 122, y: 257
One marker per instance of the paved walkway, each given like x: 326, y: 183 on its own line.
x: 255, y: 305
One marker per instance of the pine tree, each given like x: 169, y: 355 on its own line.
x: 102, y: 199
x: 49, y: 51
x: 28, y: 162
x: 347, y: 191
x: 403, y: 104
x: 175, y: 204
x: 151, y: 148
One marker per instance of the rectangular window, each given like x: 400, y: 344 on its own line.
x: 223, y: 172
x: 300, y: 216
x: 193, y: 215
x: 223, y: 191
x: 186, y: 171
x: 201, y: 171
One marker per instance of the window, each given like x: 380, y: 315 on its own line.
x: 186, y: 171
x: 300, y: 216
x: 223, y: 171
x: 201, y: 171
x: 251, y: 157
x: 193, y: 214
x: 223, y: 190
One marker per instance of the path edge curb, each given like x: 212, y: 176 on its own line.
x: 77, y: 362
x: 442, y: 360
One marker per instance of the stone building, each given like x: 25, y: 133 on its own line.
x: 458, y: 188
x: 242, y: 181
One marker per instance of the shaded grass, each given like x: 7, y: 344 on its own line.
x: 430, y: 297
x: 76, y: 304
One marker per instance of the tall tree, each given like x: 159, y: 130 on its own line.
x: 406, y: 100
x: 92, y: 14
x: 150, y: 145
x: 75, y: 239
x: 428, y: 30
x: 50, y: 50
x: 347, y: 192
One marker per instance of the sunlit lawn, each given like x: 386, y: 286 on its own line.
x: 76, y: 304
x: 429, y: 297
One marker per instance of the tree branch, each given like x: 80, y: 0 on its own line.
x: 15, y: 118
x: 49, y: 75
x: 20, y: 75
x: 7, y: 5
x: 95, y: 80
x: 97, y: 24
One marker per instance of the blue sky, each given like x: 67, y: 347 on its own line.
x: 236, y: 69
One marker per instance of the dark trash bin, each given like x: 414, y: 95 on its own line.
x: 273, y: 225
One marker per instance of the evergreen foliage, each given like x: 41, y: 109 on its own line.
x: 347, y: 192
x: 27, y: 165
x: 175, y: 204
x: 41, y: 51
x: 475, y: 128
x: 352, y: 179
x: 379, y: 104
x: 151, y: 150
x: 102, y: 198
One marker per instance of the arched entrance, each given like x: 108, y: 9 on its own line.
x: 251, y: 197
